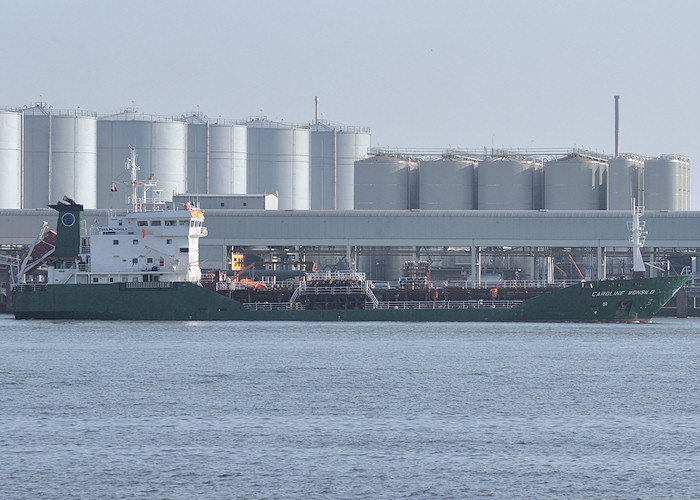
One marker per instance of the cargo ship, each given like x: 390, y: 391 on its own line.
x: 144, y: 265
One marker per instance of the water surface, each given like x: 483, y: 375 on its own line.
x: 349, y: 410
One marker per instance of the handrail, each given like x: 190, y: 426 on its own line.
x: 146, y: 284
x: 445, y: 304
x: 485, y: 284
x: 272, y: 306
x: 29, y: 287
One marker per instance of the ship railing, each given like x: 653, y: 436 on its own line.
x: 517, y: 284
x: 444, y: 304
x: 233, y: 285
x: 332, y: 290
x: 484, y: 284
x: 139, y: 285
x: 273, y: 306
x: 29, y: 287
x: 420, y: 281
x: 336, y: 275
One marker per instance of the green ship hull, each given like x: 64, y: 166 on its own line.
x: 635, y: 300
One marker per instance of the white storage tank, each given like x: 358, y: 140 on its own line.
x: 161, y: 145
x: 665, y: 183
x: 575, y: 182
x: 74, y: 159
x: 385, y: 183
x: 279, y: 162
x: 217, y: 156
x: 60, y: 156
x: 197, y: 154
x: 625, y: 182
x: 334, y: 151
x: 10, y: 159
x: 506, y: 184
x: 446, y: 184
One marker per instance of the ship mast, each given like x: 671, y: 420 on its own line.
x: 141, y: 204
x: 637, y: 238
x: 132, y: 168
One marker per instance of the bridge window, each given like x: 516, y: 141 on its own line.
x: 155, y: 223
x: 169, y: 222
x: 142, y: 223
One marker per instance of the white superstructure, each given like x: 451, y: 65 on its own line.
x: 138, y: 247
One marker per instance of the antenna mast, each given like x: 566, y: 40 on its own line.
x: 132, y: 168
x: 637, y: 238
x: 140, y: 204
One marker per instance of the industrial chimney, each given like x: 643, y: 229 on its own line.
x: 617, y: 126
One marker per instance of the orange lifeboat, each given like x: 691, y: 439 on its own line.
x: 253, y: 285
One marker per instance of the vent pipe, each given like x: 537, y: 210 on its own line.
x: 617, y: 126
x: 316, y: 100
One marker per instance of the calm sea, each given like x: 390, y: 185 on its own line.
x: 343, y: 410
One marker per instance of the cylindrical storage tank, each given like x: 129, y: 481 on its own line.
x: 446, y: 184
x: 624, y: 182
x: 217, y: 157
x: 60, y: 156
x: 228, y: 158
x: 663, y: 182
x: 74, y: 159
x: 279, y: 163
x: 161, y: 145
x: 575, y: 182
x: 384, y: 183
x: 334, y: 151
x: 197, y: 154
x: 37, y: 138
x: 10, y: 160
x: 382, y: 267
x: 506, y: 184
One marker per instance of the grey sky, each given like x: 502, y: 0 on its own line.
x: 419, y: 74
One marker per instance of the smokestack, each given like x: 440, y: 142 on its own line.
x: 617, y: 126
x: 316, y: 99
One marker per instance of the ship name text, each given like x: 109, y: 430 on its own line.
x: 618, y: 293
